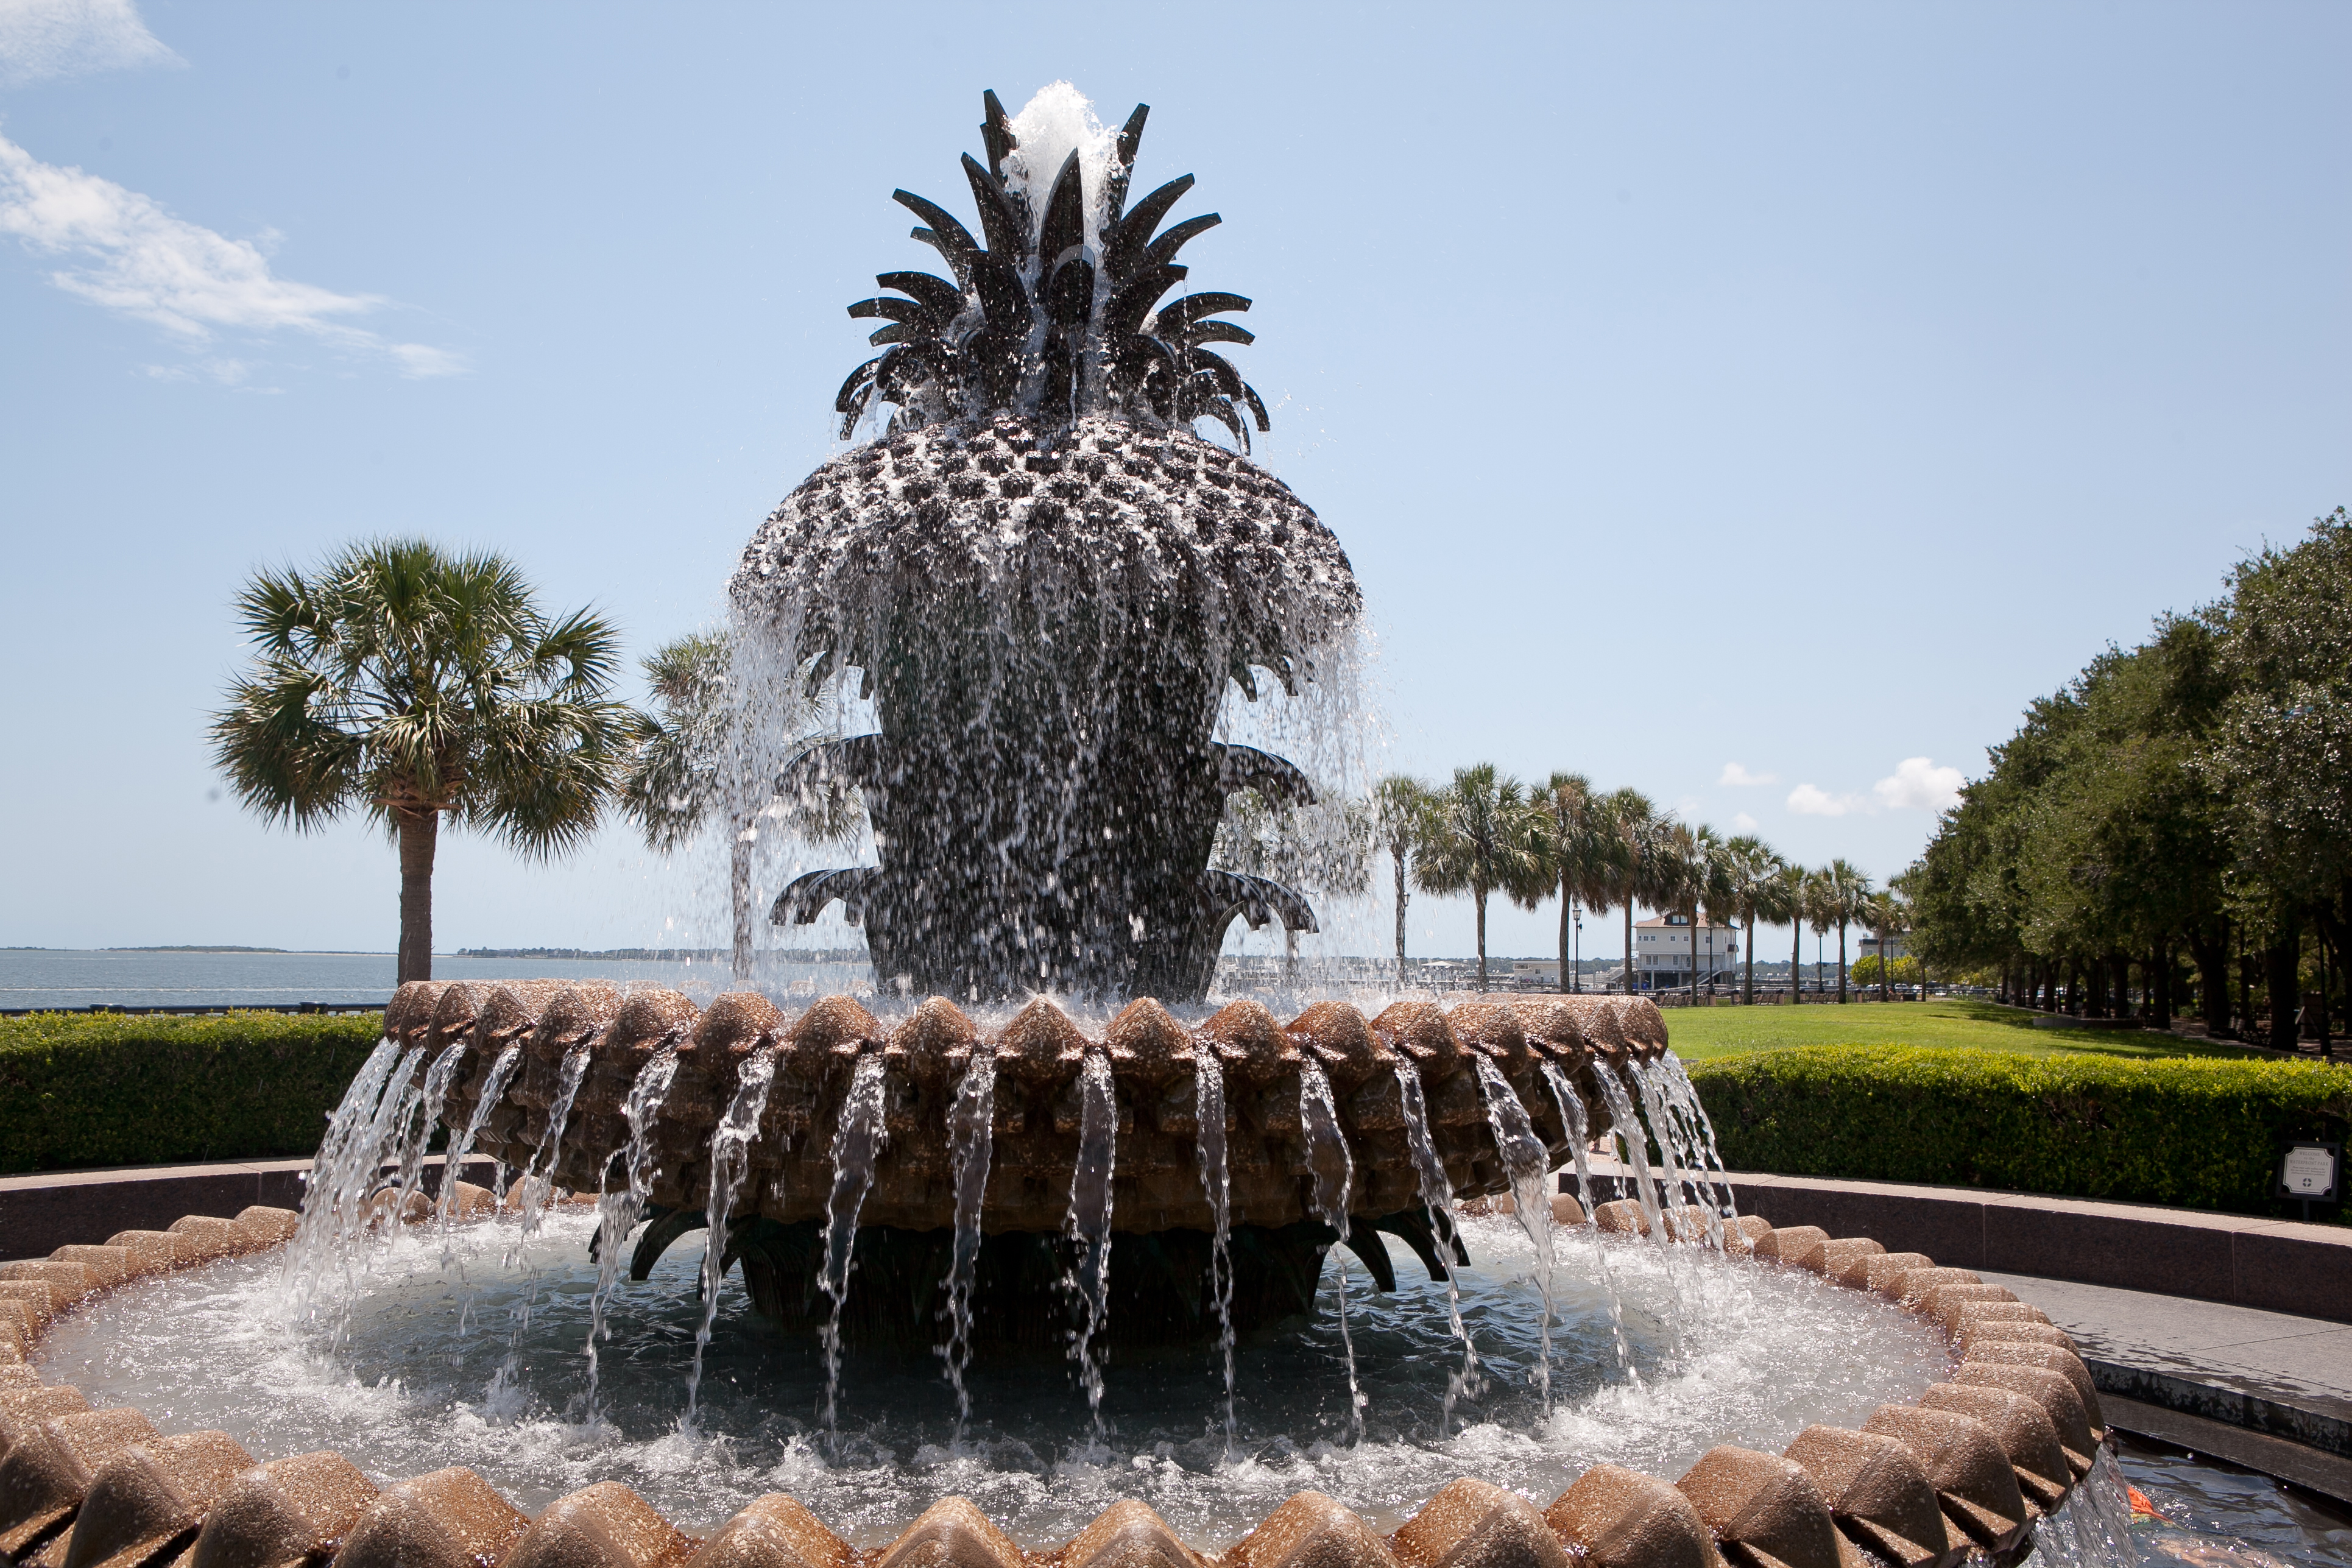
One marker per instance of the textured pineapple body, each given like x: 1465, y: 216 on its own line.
x: 1045, y: 619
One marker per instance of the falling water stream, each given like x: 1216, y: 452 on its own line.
x: 539, y: 1176
x: 1334, y: 1179
x: 1682, y: 1173
x: 1684, y: 1094
x: 1527, y: 1164
x: 427, y: 1122
x: 494, y: 1089
x: 1089, y: 1221
x: 342, y: 1172
x: 1209, y: 1121
x: 971, y: 1139
x: 857, y: 1139
x: 730, y: 1149
x: 1437, y: 1199
x: 1627, y: 1128
x: 1572, y: 1114
x: 618, y: 1213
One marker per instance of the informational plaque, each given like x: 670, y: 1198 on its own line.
x: 2308, y: 1171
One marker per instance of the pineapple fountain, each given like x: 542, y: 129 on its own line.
x: 1046, y: 585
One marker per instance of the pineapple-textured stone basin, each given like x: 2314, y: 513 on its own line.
x: 435, y: 1366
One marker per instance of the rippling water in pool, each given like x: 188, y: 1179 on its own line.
x: 451, y: 1355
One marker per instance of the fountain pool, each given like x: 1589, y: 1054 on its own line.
x: 450, y: 1354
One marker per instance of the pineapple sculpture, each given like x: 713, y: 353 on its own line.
x: 1046, y: 581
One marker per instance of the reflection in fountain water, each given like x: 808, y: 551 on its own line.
x: 405, y: 1391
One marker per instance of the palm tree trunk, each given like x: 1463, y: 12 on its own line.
x: 1841, y: 963
x: 1478, y: 896
x: 1629, y: 946
x: 738, y: 896
x: 418, y: 831
x: 1398, y: 857
x: 1796, y: 960
x: 1694, y: 935
x: 1566, y: 904
x: 1748, y: 983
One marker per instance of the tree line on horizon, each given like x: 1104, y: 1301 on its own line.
x: 2181, y: 810
x: 1483, y: 833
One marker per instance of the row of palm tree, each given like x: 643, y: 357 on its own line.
x: 1485, y: 833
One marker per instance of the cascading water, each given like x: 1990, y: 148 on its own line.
x: 1527, y: 1164
x: 1335, y: 1178
x: 1682, y: 1173
x: 1437, y: 1199
x: 1089, y: 1222
x: 731, y: 1148
x: 1633, y: 1141
x: 1572, y: 1117
x: 494, y: 1089
x: 343, y: 1170
x: 618, y: 1213
x: 539, y: 1177
x: 427, y: 1122
x: 972, y: 1136
x: 1684, y: 1096
x: 1209, y: 1119
x: 856, y: 1139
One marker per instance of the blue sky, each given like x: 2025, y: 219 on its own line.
x: 1703, y: 393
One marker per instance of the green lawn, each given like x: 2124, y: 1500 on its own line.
x: 1698, y: 1033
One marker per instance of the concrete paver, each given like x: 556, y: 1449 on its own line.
x: 2305, y: 1362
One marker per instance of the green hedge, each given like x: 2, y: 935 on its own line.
x: 2193, y: 1132
x: 80, y: 1089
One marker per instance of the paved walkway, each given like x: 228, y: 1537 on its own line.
x: 2304, y: 1362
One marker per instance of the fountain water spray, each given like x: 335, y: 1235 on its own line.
x: 618, y: 1213
x: 1089, y: 1222
x: 1208, y: 1118
x: 1335, y: 1177
x: 972, y: 1125
x: 856, y: 1139
x: 1437, y: 1201
x: 731, y: 1146
x: 1524, y: 1158
x: 1571, y: 1115
x: 494, y: 1089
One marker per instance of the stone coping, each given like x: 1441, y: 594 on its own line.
x: 1976, y: 1463
x: 44, y: 1210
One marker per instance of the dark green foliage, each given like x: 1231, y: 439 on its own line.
x: 78, y: 1090
x: 2197, y: 1133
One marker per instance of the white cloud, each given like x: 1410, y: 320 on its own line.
x: 1743, y: 822
x: 1734, y: 773
x: 1812, y: 800
x: 41, y: 40
x: 127, y: 253
x: 1916, y: 781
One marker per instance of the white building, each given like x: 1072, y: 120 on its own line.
x: 1663, y: 950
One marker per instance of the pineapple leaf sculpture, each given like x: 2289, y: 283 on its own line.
x: 1059, y: 315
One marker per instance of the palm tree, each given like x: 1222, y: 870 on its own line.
x: 1400, y: 817
x: 1480, y: 840
x: 1574, y: 854
x: 1885, y: 915
x: 1810, y: 901
x: 1754, y: 891
x: 412, y: 685
x: 1684, y: 877
x: 1843, y: 888
x: 1628, y: 825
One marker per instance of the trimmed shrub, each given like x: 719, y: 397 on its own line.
x: 2197, y: 1132
x: 108, y: 1089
